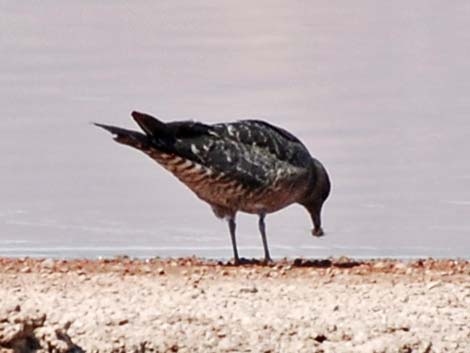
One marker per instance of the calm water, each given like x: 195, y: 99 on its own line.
x: 380, y: 92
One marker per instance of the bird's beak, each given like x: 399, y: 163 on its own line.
x: 317, y: 232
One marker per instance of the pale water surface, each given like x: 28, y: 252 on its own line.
x: 378, y: 91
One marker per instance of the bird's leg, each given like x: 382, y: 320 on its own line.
x: 232, y: 226
x: 262, y: 229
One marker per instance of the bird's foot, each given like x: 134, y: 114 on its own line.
x: 244, y: 261
x: 241, y: 261
x: 267, y: 261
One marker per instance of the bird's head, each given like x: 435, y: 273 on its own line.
x: 316, y: 195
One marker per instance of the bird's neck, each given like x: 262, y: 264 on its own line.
x: 319, y: 184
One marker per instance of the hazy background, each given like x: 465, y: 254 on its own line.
x: 378, y: 91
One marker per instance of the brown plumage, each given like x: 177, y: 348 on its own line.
x: 249, y: 166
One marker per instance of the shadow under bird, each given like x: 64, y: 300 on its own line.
x: 249, y: 166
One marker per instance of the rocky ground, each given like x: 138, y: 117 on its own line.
x: 190, y: 305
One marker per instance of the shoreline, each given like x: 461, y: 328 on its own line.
x: 197, y: 305
x: 135, y: 266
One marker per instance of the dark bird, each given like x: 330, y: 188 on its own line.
x: 248, y: 165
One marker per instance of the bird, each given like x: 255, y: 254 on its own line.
x: 246, y: 166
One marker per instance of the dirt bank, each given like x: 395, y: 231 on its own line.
x: 191, y: 305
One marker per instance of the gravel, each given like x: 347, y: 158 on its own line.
x: 192, y: 305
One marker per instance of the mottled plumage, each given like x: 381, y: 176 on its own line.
x: 249, y: 166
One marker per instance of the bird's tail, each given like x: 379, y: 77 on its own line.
x: 157, y: 134
x: 127, y: 137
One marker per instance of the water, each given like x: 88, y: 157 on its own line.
x: 377, y: 91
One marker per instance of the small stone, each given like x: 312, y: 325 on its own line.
x: 249, y: 290
x: 428, y: 347
x: 400, y: 266
x: 161, y: 271
x: 320, y: 338
x: 48, y: 264
x: 26, y: 269
x: 433, y: 285
x: 360, y: 336
x: 381, y: 265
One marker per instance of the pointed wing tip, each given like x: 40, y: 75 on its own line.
x: 139, y: 115
x: 135, y: 114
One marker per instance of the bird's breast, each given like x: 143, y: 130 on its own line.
x: 210, y: 185
x: 217, y: 188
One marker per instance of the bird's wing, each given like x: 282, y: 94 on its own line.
x: 252, y: 152
x: 268, y: 138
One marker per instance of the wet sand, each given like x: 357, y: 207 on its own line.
x: 193, y: 305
